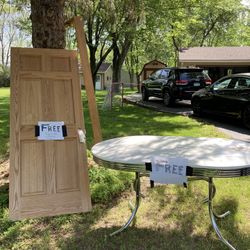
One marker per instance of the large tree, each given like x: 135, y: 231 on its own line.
x: 109, y: 27
x: 98, y: 17
x: 10, y: 33
x: 194, y: 24
x: 48, y: 29
x: 128, y: 18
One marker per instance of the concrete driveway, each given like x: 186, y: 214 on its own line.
x: 228, y: 126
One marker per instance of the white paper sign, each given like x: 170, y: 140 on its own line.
x: 169, y: 170
x: 50, y: 131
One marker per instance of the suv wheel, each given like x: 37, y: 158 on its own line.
x: 246, y: 116
x: 168, y: 99
x: 144, y: 94
x: 196, y: 106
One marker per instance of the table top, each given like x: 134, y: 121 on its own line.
x: 215, y: 157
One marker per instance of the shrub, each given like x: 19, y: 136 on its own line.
x: 4, y: 76
x: 106, y: 183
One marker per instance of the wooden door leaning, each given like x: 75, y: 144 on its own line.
x: 47, y: 177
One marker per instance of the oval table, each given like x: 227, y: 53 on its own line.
x: 206, y: 158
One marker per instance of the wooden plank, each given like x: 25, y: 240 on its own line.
x: 88, y: 81
x: 46, y: 177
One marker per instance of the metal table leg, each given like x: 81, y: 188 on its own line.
x: 137, y: 204
x: 213, y: 216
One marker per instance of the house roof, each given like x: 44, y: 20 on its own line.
x: 215, y: 54
x: 165, y: 65
x: 154, y: 61
x: 104, y: 67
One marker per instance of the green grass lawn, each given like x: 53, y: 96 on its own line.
x: 4, y: 123
x: 170, y: 216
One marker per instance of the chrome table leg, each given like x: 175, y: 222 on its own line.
x: 213, y: 216
x: 137, y: 204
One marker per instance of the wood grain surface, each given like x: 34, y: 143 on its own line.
x: 46, y: 177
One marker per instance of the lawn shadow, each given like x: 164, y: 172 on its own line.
x: 148, y: 238
x: 38, y: 233
x: 80, y: 231
x: 183, y: 235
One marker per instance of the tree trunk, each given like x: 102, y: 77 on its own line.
x: 92, y: 52
x: 119, y: 56
x: 138, y: 82
x: 117, y: 66
x: 48, y: 29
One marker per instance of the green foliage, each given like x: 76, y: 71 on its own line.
x: 4, y: 76
x: 11, y: 29
x: 4, y: 201
x: 105, y: 183
x: 172, y: 25
x: 4, y: 197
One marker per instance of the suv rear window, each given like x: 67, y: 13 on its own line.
x: 191, y: 75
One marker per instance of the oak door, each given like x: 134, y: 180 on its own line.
x: 47, y: 177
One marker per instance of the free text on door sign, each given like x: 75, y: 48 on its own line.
x: 50, y: 130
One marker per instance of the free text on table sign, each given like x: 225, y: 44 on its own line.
x: 50, y: 130
x: 169, y: 171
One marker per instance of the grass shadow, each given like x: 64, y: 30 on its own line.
x: 181, y: 237
x: 177, y: 221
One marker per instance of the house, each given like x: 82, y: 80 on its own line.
x: 218, y: 61
x: 149, y: 68
x: 104, y: 76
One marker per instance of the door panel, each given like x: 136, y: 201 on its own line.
x: 33, y: 181
x: 66, y: 177
x: 46, y: 177
x: 30, y: 89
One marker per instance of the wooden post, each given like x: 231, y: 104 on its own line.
x: 122, y: 85
x: 111, y: 95
x: 87, y: 77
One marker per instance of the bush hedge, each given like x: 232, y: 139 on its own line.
x: 4, y: 76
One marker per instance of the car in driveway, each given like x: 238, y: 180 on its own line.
x: 228, y: 96
x: 174, y: 83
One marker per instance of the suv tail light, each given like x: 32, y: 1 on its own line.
x: 181, y: 82
x: 208, y: 82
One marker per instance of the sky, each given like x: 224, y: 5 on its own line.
x: 246, y: 2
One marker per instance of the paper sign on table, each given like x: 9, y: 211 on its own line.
x: 169, y: 170
x: 50, y: 130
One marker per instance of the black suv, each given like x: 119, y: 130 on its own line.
x: 174, y: 83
